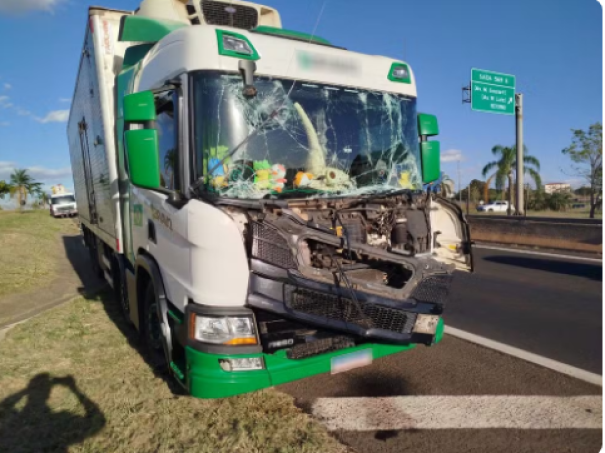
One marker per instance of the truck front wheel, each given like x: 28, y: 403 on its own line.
x: 151, y: 329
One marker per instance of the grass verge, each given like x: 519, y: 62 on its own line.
x: 70, y: 380
x: 29, y: 245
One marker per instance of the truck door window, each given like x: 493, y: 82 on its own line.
x: 166, y: 126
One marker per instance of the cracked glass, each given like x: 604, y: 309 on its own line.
x: 302, y: 140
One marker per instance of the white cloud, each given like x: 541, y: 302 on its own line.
x: 4, y: 123
x: 66, y: 100
x: 56, y: 116
x: 7, y: 86
x: 4, y: 101
x: 23, y: 112
x: 44, y: 174
x: 6, y: 168
x: 451, y: 155
x: 22, y: 6
x: 41, y: 174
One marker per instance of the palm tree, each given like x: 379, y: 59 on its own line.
x: 505, y: 168
x: 5, y: 188
x: 22, y: 184
x: 43, y: 197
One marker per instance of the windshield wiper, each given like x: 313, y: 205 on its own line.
x: 384, y: 193
x: 300, y: 193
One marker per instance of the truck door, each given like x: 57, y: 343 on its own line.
x: 90, y: 188
x: 151, y: 213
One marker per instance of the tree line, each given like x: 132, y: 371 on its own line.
x: 20, y: 185
x: 585, y: 152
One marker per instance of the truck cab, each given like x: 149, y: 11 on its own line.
x: 269, y: 206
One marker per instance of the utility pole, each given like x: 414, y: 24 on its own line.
x: 520, y: 208
x: 459, y: 189
x: 468, y: 198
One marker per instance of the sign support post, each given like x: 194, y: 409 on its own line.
x: 520, y: 208
x: 494, y: 92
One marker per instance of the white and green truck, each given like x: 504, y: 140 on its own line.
x: 258, y: 198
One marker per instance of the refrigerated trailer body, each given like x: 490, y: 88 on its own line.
x: 259, y: 199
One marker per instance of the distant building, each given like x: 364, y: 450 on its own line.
x: 553, y: 187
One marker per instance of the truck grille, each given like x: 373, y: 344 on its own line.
x: 269, y: 246
x: 217, y: 13
x: 302, y: 351
x: 363, y: 314
x: 434, y: 289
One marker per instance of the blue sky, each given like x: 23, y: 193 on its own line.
x: 554, y: 47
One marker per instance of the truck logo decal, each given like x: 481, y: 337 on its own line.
x: 137, y: 210
x: 161, y: 217
x: 107, y: 38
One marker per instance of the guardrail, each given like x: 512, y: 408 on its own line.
x: 537, y: 219
x: 580, y: 235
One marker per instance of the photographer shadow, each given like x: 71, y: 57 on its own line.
x: 36, y: 427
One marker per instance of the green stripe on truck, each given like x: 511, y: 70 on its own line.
x: 206, y: 379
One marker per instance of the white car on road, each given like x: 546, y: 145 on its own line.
x: 495, y: 206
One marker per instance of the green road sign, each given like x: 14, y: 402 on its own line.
x: 492, y: 92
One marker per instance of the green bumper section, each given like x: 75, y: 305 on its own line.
x: 206, y: 379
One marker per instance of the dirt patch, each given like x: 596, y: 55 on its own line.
x: 48, y: 265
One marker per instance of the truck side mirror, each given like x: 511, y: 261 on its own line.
x: 143, y: 157
x: 430, y: 151
x: 142, y: 144
x: 139, y: 107
x: 431, y: 161
x: 427, y: 125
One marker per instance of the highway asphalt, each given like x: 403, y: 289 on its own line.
x: 548, y: 306
x: 471, y: 375
x: 462, y: 397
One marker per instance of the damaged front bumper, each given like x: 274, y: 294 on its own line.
x: 364, y: 315
x: 206, y: 379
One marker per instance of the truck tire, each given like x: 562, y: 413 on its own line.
x: 94, y: 257
x: 120, y: 288
x: 151, y: 331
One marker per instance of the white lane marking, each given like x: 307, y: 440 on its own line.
x: 529, y: 252
x: 460, y: 412
x: 577, y: 373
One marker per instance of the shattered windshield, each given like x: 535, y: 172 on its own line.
x: 320, y: 141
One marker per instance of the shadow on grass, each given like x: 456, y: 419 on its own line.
x: 36, y: 427
x: 115, y: 314
x: 96, y: 290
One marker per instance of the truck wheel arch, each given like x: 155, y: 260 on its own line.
x: 147, y: 271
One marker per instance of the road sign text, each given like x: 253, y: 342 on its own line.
x: 492, y: 92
